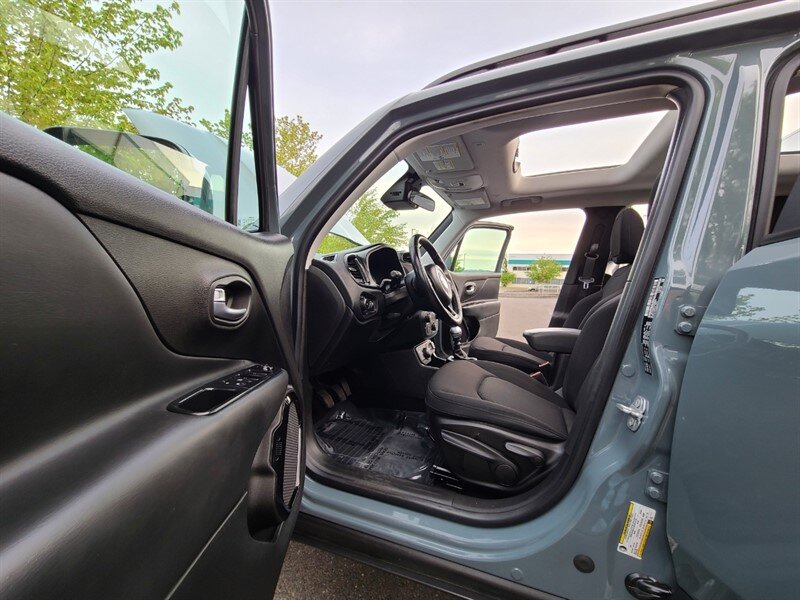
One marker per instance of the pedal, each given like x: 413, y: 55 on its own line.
x: 336, y: 392
x: 326, y: 397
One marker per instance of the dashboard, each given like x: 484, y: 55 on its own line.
x: 358, y: 303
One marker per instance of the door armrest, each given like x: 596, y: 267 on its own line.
x: 559, y: 340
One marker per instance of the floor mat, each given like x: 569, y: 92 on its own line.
x: 391, y: 442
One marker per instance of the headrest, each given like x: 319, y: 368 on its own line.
x: 625, y: 236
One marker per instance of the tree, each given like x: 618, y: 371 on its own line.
x: 295, y: 141
x: 506, y: 276
x: 375, y: 221
x: 295, y: 144
x: 222, y: 128
x: 544, y: 270
x: 82, y: 62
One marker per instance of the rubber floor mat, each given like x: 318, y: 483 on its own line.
x: 391, y: 442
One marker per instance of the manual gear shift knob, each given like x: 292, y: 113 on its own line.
x: 455, y: 339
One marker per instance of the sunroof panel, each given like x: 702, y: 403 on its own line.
x: 590, y: 145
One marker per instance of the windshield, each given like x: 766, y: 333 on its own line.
x: 369, y: 221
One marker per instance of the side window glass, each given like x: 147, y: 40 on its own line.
x: 785, y: 221
x: 480, y: 250
x: 144, y: 87
x: 541, y: 249
x: 247, y: 211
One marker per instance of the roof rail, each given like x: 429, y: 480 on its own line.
x: 604, y: 34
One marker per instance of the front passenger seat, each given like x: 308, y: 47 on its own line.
x: 626, y: 235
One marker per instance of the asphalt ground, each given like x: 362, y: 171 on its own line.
x: 312, y: 573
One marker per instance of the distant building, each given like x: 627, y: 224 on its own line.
x: 519, y: 264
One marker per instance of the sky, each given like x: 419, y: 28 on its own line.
x: 337, y: 62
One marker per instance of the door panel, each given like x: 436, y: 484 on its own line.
x: 480, y: 302
x: 175, y: 282
x: 105, y: 286
x: 733, y: 485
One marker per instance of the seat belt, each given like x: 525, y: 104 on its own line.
x: 590, y: 258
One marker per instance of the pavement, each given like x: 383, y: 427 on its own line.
x: 312, y: 573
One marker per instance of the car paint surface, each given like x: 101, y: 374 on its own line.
x: 736, y: 439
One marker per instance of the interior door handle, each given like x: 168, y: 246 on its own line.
x: 225, y: 312
x: 231, y: 302
x: 470, y: 288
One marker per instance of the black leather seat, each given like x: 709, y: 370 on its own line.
x: 625, y: 238
x: 500, y: 429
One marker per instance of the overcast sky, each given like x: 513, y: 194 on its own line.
x: 336, y: 62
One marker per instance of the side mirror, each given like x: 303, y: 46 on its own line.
x: 405, y: 194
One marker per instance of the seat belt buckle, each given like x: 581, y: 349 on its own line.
x: 586, y: 281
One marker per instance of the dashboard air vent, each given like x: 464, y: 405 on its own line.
x: 356, y: 269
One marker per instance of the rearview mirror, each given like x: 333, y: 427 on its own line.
x: 405, y: 194
x: 420, y: 200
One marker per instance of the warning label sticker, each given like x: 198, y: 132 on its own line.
x: 439, y: 152
x: 638, y: 523
x: 647, y: 322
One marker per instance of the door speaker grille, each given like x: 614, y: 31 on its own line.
x: 291, y: 462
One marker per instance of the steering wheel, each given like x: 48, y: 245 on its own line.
x: 433, y: 282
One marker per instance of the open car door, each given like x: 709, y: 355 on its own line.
x: 151, y: 442
x: 476, y: 266
x: 733, y: 484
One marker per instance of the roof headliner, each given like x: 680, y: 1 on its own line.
x: 491, y: 144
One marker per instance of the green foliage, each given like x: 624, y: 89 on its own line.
x: 81, y: 62
x: 222, y: 129
x: 458, y: 265
x: 334, y: 243
x: 375, y: 221
x: 544, y: 270
x: 295, y: 144
x: 295, y: 141
x: 506, y: 276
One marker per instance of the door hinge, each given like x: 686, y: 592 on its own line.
x: 689, y: 317
x: 635, y: 412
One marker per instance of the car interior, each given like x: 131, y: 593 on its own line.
x: 412, y: 385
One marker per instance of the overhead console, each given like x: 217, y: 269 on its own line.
x: 448, y: 167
